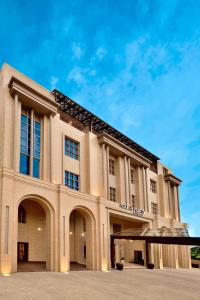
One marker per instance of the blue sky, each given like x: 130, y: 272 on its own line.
x: 134, y: 63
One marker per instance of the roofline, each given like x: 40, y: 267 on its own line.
x: 97, y: 125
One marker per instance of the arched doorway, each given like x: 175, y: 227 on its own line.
x: 82, y: 240
x: 34, y: 238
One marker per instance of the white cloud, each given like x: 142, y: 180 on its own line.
x: 77, y: 51
x: 53, y: 81
x: 100, y: 53
x: 76, y: 75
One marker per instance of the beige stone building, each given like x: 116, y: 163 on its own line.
x: 68, y: 181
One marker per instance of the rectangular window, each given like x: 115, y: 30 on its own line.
x: 132, y: 176
x: 153, y: 186
x: 117, y: 228
x: 36, y: 149
x: 111, y: 166
x: 71, y: 148
x: 112, y: 194
x: 25, y: 142
x: 72, y: 180
x: 154, y: 208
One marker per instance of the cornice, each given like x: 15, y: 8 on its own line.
x: 32, y: 97
x: 173, y: 179
x: 105, y: 138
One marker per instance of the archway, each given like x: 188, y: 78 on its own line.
x: 82, y: 239
x: 34, y: 237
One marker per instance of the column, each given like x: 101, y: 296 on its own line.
x: 139, y: 190
x: 129, y: 180
x: 144, y: 188
x: 173, y: 263
x: 16, y: 133
x: 169, y: 198
x: 147, y: 190
x: 120, y: 180
x: 126, y: 181
x: 51, y: 147
x: 158, y: 256
x: 105, y: 173
x: 176, y: 212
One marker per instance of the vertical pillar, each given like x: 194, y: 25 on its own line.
x: 107, y: 171
x: 169, y: 198
x: 173, y: 263
x: 176, y: 212
x: 144, y: 188
x: 16, y: 141
x: 104, y: 172
x: 126, y: 180
x: 129, y: 180
x: 51, y: 147
x: 139, y: 191
x: 147, y: 190
x: 158, y: 256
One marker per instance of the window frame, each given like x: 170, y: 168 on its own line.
x: 70, y: 181
x: 112, y: 166
x: 153, y: 186
x: 74, y: 148
x: 112, y: 194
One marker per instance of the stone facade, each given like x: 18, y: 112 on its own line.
x: 63, y: 225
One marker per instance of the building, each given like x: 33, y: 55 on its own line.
x: 69, y: 180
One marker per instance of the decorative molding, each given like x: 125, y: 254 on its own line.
x: 32, y: 98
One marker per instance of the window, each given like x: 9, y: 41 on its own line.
x: 71, y: 148
x: 154, y: 208
x: 21, y: 214
x: 117, y: 228
x: 132, y: 176
x: 153, y: 186
x: 72, y: 180
x: 111, y: 166
x: 26, y: 142
x: 133, y: 200
x: 36, y: 149
x: 112, y: 194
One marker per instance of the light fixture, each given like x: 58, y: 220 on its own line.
x: 39, y: 229
x: 83, y: 234
x: 70, y: 233
x: 6, y: 274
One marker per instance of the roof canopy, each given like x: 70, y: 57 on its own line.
x: 97, y: 125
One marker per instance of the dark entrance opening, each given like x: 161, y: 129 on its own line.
x: 22, y: 252
x: 138, y: 257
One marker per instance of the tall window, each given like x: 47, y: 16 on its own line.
x: 71, y: 148
x: 21, y: 214
x: 111, y: 166
x: 36, y: 149
x: 112, y: 194
x: 154, y: 208
x: 132, y: 176
x: 72, y: 180
x: 153, y: 186
x: 25, y: 144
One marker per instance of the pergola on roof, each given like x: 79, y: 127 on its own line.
x: 97, y: 125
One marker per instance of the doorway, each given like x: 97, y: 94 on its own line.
x: 22, y: 252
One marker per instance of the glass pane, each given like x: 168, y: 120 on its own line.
x: 23, y: 118
x: 24, y: 164
x: 36, y: 168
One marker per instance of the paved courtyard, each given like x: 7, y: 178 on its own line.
x: 128, y: 284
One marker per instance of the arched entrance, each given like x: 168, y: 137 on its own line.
x: 34, y: 238
x: 82, y: 240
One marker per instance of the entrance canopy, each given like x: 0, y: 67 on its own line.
x: 175, y: 236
